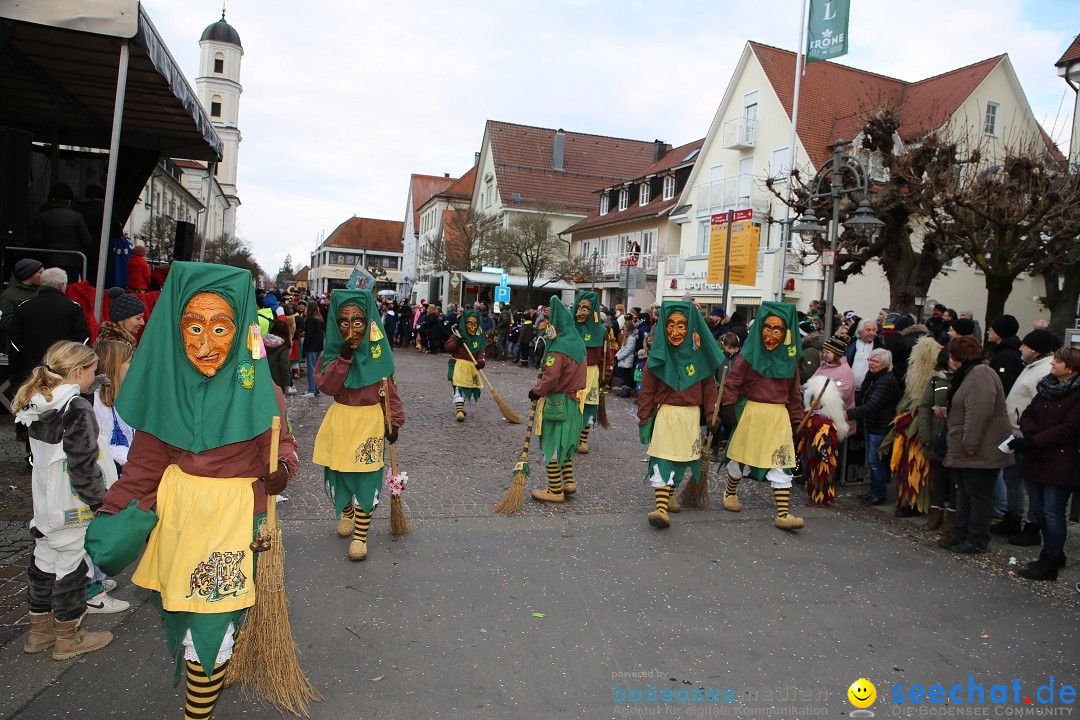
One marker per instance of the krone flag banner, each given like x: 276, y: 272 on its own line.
x: 827, y: 34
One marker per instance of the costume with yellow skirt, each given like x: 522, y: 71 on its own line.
x: 593, y: 334
x: 350, y: 446
x: 677, y: 392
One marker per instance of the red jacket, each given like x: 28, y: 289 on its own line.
x: 138, y: 273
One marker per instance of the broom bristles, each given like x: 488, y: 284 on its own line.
x: 696, y: 494
x: 514, y: 497
x: 601, y: 413
x: 264, y: 662
x: 398, y: 524
x: 507, y: 411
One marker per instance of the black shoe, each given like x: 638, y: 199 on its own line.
x: 1045, y: 568
x: 871, y: 500
x: 866, y: 496
x: 966, y: 549
x: 1011, y: 524
x: 906, y: 512
x: 1061, y: 561
x: 948, y: 542
x: 1030, y: 535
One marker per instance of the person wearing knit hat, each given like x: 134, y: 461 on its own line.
x: 764, y: 385
x: 1037, y: 349
x: 126, y: 318
x: 27, y: 281
x: 1003, y: 347
x: 138, y: 270
x: 834, y: 365
x: 961, y: 326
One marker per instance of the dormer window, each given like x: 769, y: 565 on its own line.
x: 669, y: 187
x: 643, y: 194
x: 605, y: 204
x: 624, y: 198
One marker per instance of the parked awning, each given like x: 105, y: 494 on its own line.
x: 482, y: 278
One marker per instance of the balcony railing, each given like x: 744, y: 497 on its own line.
x: 612, y: 264
x: 736, y: 193
x: 740, y: 133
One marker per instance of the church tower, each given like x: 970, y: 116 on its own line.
x: 219, y: 91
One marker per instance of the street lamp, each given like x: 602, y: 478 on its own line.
x: 920, y: 302
x: 840, y: 176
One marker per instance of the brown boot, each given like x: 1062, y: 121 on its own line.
x: 42, y: 633
x: 937, y: 517
x: 73, y: 639
x: 946, y: 525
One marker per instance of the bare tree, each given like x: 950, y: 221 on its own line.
x: 995, y: 216
x: 432, y: 255
x: 897, y: 194
x: 159, y: 235
x: 1062, y: 276
x: 527, y: 245
x: 467, y: 238
x: 229, y: 250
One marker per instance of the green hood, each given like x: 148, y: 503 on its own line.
x: 781, y: 362
x: 567, y: 340
x: 592, y: 330
x: 475, y: 342
x: 373, y: 359
x: 164, y: 395
x: 695, y: 359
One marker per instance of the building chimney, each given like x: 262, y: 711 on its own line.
x: 660, y: 149
x: 476, y: 159
x: 558, y: 150
x: 446, y: 175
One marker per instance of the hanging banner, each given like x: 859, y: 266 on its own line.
x: 744, y: 247
x: 827, y: 32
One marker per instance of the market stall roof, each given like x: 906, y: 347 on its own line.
x: 483, y: 278
x: 59, y: 62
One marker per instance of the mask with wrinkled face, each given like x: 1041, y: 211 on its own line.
x: 208, y: 327
x: 675, y: 329
x: 581, y: 312
x: 472, y: 326
x: 352, y: 322
x: 773, y: 330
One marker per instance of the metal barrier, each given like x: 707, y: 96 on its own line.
x: 40, y: 251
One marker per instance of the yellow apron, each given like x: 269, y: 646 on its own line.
x: 676, y: 433
x: 762, y: 438
x: 465, y: 375
x: 539, y: 422
x: 350, y: 438
x: 592, y: 385
x: 197, y: 556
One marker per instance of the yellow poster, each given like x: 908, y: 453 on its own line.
x: 745, y: 237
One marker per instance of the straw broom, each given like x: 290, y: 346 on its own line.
x: 601, y: 407
x: 264, y: 661
x: 507, y: 411
x: 696, y: 494
x: 398, y: 524
x: 515, y: 494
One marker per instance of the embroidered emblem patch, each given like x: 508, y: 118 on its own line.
x: 370, y: 452
x: 376, y: 352
x: 691, y: 370
x: 245, y: 375
x: 791, y: 351
x: 587, y: 337
x: 550, y: 359
x: 219, y: 577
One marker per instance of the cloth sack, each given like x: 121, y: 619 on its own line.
x: 115, y: 541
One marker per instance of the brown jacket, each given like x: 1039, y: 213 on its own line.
x: 563, y: 375
x: 655, y: 392
x: 978, y: 423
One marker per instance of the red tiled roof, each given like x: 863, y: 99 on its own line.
x: 463, y: 187
x: 367, y: 234
x: 1071, y: 55
x: 303, y: 273
x: 834, y: 99
x: 422, y: 187
x: 522, y: 156
x: 189, y: 164
x: 654, y: 208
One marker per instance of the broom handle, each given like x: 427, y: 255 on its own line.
x: 532, y: 418
x: 386, y: 419
x: 813, y: 406
x: 716, y: 407
x: 473, y: 358
x: 275, y: 441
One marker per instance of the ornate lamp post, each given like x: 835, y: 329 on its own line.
x: 841, y: 176
x: 920, y: 302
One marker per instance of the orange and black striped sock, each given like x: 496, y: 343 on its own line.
x: 361, y: 524
x: 732, y: 485
x: 202, y: 691
x: 554, y: 476
x: 783, y: 501
x: 663, y: 495
x: 584, y: 439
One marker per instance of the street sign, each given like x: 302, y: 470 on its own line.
x: 504, y: 280
x: 492, y: 269
x: 828, y: 258
x: 502, y: 294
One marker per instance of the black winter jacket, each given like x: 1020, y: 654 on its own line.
x: 1005, y: 359
x: 876, y: 402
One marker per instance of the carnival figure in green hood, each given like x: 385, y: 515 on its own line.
x: 200, y: 396
x: 595, y: 336
x: 764, y: 384
x: 677, y: 392
x: 560, y: 392
x: 462, y: 372
x: 357, y: 369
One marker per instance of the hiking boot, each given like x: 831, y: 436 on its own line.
x: 357, y: 550
x: 934, y: 521
x: 73, y: 639
x: 946, y: 525
x: 1011, y: 524
x: 42, y: 633
x: 1028, y: 536
x: 731, y: 503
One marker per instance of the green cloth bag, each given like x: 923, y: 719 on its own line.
x: 645, y: 429
x: 555, y: 407
x: 115, y: 541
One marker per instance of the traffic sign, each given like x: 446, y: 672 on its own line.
x: 502, y: 294
x: 504, y: 280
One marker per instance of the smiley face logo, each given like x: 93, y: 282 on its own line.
x: 862, y: 693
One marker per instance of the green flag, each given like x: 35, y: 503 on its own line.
x: 827, y: 33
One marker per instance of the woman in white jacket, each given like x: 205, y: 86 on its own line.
x: 627, y: 353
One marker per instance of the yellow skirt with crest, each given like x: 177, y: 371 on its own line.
x: 350, y: 438
x: 197, y: 556
x: 762, y: 439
